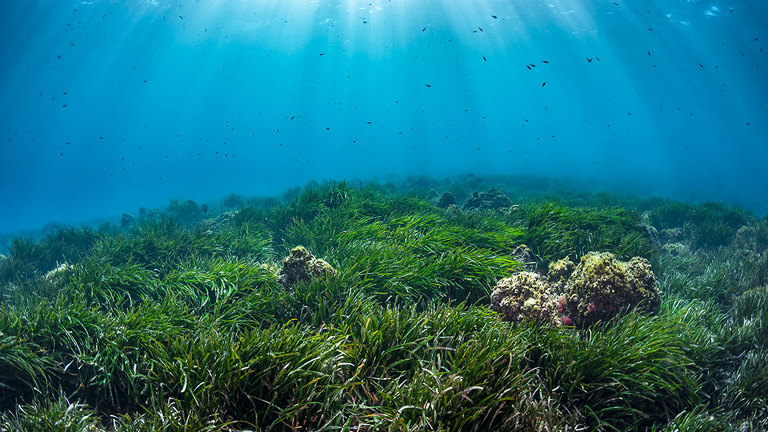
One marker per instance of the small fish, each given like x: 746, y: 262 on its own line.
x: 545, y: 61
x: 485, y: 59
x: 597, y: 58
x: 528, y: 66
x: 589, y: 60
x: 649, y: 53
x: 544, y: 83
x: 494, y: 17
x: 181, y: 17
x: 532, y: 65
x: 424, y: 29
x: 428, y: 85
x: 480, y: 28
x: 701, y: 65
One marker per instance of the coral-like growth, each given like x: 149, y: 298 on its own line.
x: 302, y: 265
x: 602, y: 287
x: 522, y: 297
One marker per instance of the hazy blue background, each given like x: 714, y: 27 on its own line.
x: 111, y: 105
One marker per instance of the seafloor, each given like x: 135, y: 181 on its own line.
x: 192, y: 318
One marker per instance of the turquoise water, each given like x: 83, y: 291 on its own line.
x: 112, y: 105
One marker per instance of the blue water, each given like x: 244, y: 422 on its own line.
x: 112, y: 105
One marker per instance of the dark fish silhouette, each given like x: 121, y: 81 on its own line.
x: 528, y: 66
x: 589, y: 60
x: 494, y: 17
x: 544, y: 83
x: 545, y: 61
x: 485, y: 59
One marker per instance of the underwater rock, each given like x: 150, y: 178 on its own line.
x: 302, y: 265
x: 522, y: 254
x: 127, y: 220
x: 675, y: 249
x: 217, y: 223
x: 524, y: 296
x: 599, y: 288
x: 446, y: 200
x: 560, y: 271
x: 491, y: 200
x: 752, y: 238
x: 602, y: 287
x: 671, y: 235
x: 650, y: 231
x: 149, y: 215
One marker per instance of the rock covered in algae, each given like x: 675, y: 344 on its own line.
x: 602, y: 287
x: 523, y: 255
x: 446, y: 200
x: 301, y: 265
x: 560, y: 271
x: 491, y: 200
x: 599, y: 288
x: 522, y: 297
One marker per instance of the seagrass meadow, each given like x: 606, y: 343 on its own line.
x: 176, y: 320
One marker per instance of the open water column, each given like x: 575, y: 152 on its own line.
x: 108, y: 105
